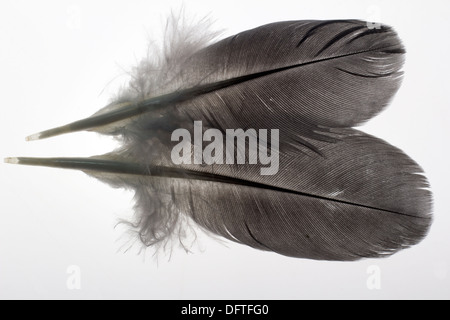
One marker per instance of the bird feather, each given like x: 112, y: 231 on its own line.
x: 339, y: 193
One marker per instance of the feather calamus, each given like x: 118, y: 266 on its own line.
x: 339, y: 193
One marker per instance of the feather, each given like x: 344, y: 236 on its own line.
x: 336, y: 194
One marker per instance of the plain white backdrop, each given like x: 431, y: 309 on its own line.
x: 61, y: 61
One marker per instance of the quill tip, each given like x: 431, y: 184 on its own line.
x: 33, y: 137
x: 51, y: 133
x: 11, y: 160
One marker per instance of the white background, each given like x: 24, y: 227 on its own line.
x: 61, y: 61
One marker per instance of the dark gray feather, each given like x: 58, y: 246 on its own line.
x: 358, y: 197
x: 339, y: 193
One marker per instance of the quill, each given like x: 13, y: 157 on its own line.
x: 337, y: 193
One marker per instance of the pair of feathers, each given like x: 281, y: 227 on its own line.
x: 339, y: 194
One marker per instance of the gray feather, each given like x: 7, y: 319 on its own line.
x: 358, y: 197
x: 339, y: 194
